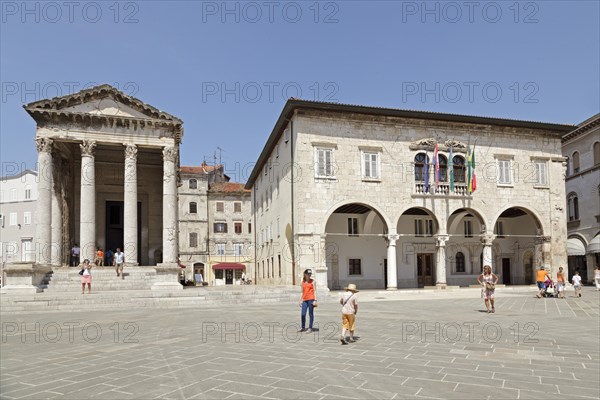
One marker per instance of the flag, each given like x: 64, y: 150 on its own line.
x: 436, y: 163
x: 474, y: 178
x: 451, y: 170
x: 426, y: 173
x: 469, y: 188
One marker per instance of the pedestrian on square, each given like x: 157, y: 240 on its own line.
x: 86, y: 276
x: 100, y: 257
x: 119, y: 260
x: 349, y: 309
x: 108, y: 257
x: 75, y: 251
x: 560, y: 279
x: 597, y: 276
x: 488, y: 281
x: 308, y: 300
x: 577, y: 284
x: 541, y: 277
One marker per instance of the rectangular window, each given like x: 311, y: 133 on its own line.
x: 279, y: 263
x: 352, y: 226
x: 27, y: 193
x: 13, y: 194
x: 504, y: 172
x: 324, y: 163
x: 423, y: 227
x: 540, y: 173
x: 468, y: 227
x: 193, y: 239
x: 193, y: 208
x: 419, y: 227
x: 13, y: 219
x: 238, y: 227
x: 220, y: 227
x: 238, y: 249
x: 354, y: 266
x: 371, y: 165
x: 221, y: 249
x: 27, y: 218
x: 500, y: 229
x: 249, y: 227
x: 237, y: 207
x: 220, y: 206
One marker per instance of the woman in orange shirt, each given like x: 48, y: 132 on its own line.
x: 308, y: 300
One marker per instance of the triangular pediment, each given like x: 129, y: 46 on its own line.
x: 103, y: 100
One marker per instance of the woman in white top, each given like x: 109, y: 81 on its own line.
x: 86, y: 277
x: 488, y: 281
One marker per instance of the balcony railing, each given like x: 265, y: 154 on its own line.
x: 443, y: 189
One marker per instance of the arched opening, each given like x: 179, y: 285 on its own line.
x: 416, y: 247
x: 355, y: 247
x: 576, y: 251
x: 464, y: 228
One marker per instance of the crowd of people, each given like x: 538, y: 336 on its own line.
x: 103, y: 258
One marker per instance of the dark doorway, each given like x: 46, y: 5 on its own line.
x: 385, y: 273
x: 114, y: 227
x: 425, y: 269
x: 578, y: 263
x: 229, y: 277
x: 506, y: 271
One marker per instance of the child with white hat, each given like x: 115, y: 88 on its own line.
x: 349, y: 308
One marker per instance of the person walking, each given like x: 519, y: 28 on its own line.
x: 560, y: 279
x: 308, y: 300
x: 597, y: 276
x: 577, y: 284
x: 100, y: 257
x: 108, y: 257
x: 75, y: 251
x: 86, y: 276
x: 119, y: 260
x: 488, y: 281
x: 349, y: 309
x: 541, y: 277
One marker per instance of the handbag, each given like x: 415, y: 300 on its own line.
x: 490, y: 286
x: 81, y: 272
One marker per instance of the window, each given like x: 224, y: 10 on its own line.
x: 324, y: 163
x: 354, y: 266
x: 504, y: 172
x: 13, y: 219
x: 279, y: 263
x: 500, y: 229
x: 268, y: 268
x: 27, y: 192
x: 443, y: 168
x: 238, y: 249
x: 573, y: 206
x: 420, y: 160
x: 423, y: 227
x: 237, y: 207
x: 371, y: 165
x: 27, y: 218
x: 353, y: 226
x: 221, y: 249
x: 458, y: 166
x: 13, y: 194
x: 468, y: 228
x: 272, y: 267
x: 568, y: 166
x: 576, y: 162
x: 193, y: 184
x: 249, y: 227
x: 220, y: 206
x: 193, y: 207
x: 540, y: 174
x: 237, y: 227
x: 193, y: 239
x: 596, y: 153
x: 220, y: 227
x: 460, y: 262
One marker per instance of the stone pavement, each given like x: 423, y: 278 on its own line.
x: 413, y: 347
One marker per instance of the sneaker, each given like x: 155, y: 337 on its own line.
x: 351, y: 340
x: 302, y: 330
x: 309, y: 330
x: 343, y: 340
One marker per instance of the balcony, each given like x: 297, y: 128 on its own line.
x: 443, y: 189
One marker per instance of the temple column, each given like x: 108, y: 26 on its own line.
x: 130, y: 215
x: 392, y: 273
x: 57, y: 222
x: 169, y: 205
x: 87, y: 211
x: 43, y: 215
x: 440, y: 264
x: 487, y: 240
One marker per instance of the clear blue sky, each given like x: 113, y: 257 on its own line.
x: 180, y: 55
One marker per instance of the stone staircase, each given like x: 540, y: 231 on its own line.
x: 68, y: 280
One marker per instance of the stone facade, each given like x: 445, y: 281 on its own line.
x: 338, y: 189
x: 582, y: 148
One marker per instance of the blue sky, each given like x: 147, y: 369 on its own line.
x: 226, y: 68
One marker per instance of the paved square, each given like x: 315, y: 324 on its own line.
x: 440, y: 346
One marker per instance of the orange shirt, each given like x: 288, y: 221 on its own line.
x: 560, y: 277
x: 541, y: 275
x: 100, y: 254
x: 308, y: 290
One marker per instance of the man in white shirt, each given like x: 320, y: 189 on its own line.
x: 349, y: 309
x: 119, y: 261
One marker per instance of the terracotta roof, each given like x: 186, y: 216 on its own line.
x: 203, y: 169
x: 228, y: 187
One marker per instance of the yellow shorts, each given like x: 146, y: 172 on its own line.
x: 348, y: 321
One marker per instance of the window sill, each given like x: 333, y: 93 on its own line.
x: 325, y: 178
x: 376, y: 180
x: 505, y: 185
x: 541, y: 187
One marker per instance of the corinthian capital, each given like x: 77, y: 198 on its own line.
x: 131, y: 151
x: 169, y: 154
x: 441, y: 240
x: 87, y: 148
x: 44, y: 145
x: 487, y: 239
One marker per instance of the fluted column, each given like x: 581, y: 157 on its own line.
x: 392, y: 273
x: 87, y: 207
x: 169, y: 205
x: 43, y: 215
x: 130, y: 215
x: 440, y: 265
x: 57, y: 222
x: 487, y: 239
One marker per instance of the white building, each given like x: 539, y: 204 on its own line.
x: 18, y: 195
x: 341, y: 189
x: 582, y: 148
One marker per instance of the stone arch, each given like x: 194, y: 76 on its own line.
x: 335, y: 207
x: 429, y: 212
x: 452, y: 223
x: 532, y: 213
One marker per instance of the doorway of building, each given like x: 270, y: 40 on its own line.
x: 229, y: 277
x: 385, y: 273
x: 115, y: 227
x: 506, y: 271
x: 425, y: 269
